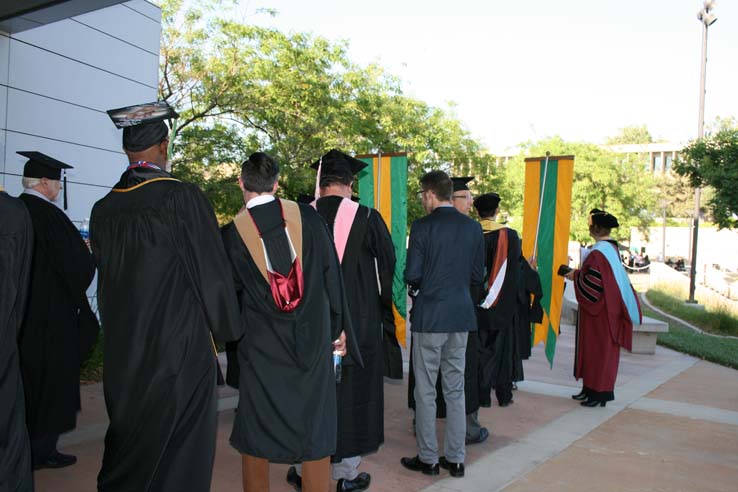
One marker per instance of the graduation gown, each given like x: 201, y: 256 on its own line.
x: 530, y: 294
x: 61, y: 271
x: 16, y: 248
x: 604, y: 326
x: 163, y: 287
x: 499, y: 360
x: 287, y: 405
x: 368, y: 263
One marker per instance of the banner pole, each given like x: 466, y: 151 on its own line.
x: 377, y: 197
x: 540, y: 205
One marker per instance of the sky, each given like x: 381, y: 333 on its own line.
x: 524, y: 70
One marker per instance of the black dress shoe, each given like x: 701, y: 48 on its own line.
x: 506, y: 403
x: 582, y: 395
x: 592, y: 403
x: 361, y: 482
x: 415, y: 464
x: 294, y: 479
x: 56, y: 460
x: 456, y: 469
x: 481, y: 437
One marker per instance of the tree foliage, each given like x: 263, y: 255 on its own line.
x: 713, y: 161
x: 240, y: 88
x: 602, y: 179
x: 634, y: 134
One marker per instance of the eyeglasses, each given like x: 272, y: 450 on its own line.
x: 462, y: 197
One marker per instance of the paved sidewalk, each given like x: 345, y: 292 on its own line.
x: 673, y: 426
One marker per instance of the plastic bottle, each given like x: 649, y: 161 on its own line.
x: 337, y: 358
x: 84, y: 229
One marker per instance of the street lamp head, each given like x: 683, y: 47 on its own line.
x: 707, y: 18
x: 710, y: 4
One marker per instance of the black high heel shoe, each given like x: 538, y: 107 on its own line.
x: 581, y: 396
x: 592, y: 403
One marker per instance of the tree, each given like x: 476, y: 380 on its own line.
x: 633, y: 134
x: 241, y: 88
x: 602, y: 179
x: 713, y: 161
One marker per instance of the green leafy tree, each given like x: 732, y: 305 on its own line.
x: 602, y: 179
x: 634, y: 134
x: 241, y: 88
x: 713, y: 162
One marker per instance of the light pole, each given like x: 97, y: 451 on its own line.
x: 707, y: 18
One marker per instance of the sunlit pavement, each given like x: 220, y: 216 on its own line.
x: 673, y: 426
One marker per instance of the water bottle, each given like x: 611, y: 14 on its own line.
x: 84, y: 229
x: 337, y: 357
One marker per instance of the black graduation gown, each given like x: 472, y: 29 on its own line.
x: 361, y: 392
x: 499, y: 361
x: 163, y: 287
x: 61, y: 271
x: 16, y: 248
x: 530, y: 311
x: 287, y: 405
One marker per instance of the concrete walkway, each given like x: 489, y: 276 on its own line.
x: 673, y: 426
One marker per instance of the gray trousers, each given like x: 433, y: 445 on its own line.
x: 447, y: 351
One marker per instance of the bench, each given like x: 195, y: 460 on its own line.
x: 644, y: 335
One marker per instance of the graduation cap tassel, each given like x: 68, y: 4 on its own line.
x: 66, y: 201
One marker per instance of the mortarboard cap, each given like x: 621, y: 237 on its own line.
x: 603, y: 219
x: 461, y: 182
x: 336, y: 163
x: 143, y: 125
x: 487, y: 204
x: 42, y: 166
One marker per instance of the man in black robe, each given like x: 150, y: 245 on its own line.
x: 164, y: 286
x: 50, y: 337
x: 16, y: 248
x: 499, y: 362
x: 367, y: 258
x: 475, y: 433
x: 293, y: 307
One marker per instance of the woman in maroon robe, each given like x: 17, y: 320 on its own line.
x: 608, y: 308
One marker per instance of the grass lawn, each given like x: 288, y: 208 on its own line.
x: 713, y: 318
x: 92, y: 370
x: 723, y: 351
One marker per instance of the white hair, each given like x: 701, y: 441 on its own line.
x: 29, y: 183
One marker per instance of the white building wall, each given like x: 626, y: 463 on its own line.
x: 57, y: 81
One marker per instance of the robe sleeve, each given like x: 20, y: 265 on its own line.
x: 383, y: 250
x: 588, y: 285
x: 200, y: 248
x: 68, y: 255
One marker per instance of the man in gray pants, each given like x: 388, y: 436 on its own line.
x: 444, y: 259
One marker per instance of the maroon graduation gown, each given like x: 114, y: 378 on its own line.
x: 604, y: 325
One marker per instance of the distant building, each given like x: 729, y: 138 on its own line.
x: 62, y: 65
x: 656, y: 157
